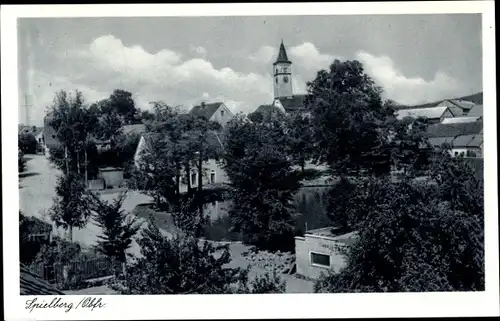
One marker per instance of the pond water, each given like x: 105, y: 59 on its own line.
x: 309, y: 203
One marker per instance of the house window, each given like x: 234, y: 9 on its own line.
x: 222, y: 113
x: 193, y: 179
x: 456, y: 154
x: 212, y: 177
x: 320, y: 259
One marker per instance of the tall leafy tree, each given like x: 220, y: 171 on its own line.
x: 72, y: 204
x: 122, y: 102
x: 263, y: 181
x: 74, y: 123
x: 347, y: 113
x: 118, y: 228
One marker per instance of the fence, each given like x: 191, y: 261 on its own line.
x: 84, y: 269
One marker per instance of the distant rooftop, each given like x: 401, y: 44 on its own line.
x: 431, y: 113
x: 466, y: 119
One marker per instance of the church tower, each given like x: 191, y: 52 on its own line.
x: 282, y: 75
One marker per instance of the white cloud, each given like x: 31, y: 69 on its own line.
x: 43, y: 92
x: 264, y: 55
x: 167, y: 75
x: 403, y: 89
x: 308, y: 56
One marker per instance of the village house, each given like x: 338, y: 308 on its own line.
x: 212, y: 173
x: 432, y: 114
x: 217, y: 112
x: 320, y: 251
x: 464, y: 139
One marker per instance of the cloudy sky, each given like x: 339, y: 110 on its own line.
x: 186, y: 60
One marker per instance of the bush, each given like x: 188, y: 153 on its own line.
x: 27, y: 142
x: 268, y: 283
x: 28, y: 246
x: 21, y: 162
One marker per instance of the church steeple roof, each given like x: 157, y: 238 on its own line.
x: 282, y: 57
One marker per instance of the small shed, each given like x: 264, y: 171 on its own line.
x: 112, y: 176
x: 320, y: 250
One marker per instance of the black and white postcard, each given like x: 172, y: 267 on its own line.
x: 278, y: 160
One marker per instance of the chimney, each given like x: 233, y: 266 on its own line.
x: 203, y: 104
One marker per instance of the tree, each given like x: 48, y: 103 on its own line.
x: 263, y: 181
x: 27, y: 142
x: 74, y: 123
x: 415, y: 236
x: 72, y: 205
x: 118, y: 228
x: 177, y: 145
x: 340, y: 199
x: 410, y: 149
x: 347, y: 115
x: 181, y: 264
x: 300, y: 137
x: 123, y: 104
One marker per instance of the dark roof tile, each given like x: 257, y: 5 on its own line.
x: 206, y: 110
x: 454, y: 129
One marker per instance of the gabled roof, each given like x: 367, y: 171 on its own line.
x: 293, y: 103
x: 431, y: 113
x: 454, y: 130
x: 214, y: 139
x: 462, y: 141
x: 464, y: 104
x: 134, y: 129
x: 464, y: 119
x: 476, y: 111
x: 456, y: 111
x: 206, y: 110
x: 282, y: 56
x: 32, y: 284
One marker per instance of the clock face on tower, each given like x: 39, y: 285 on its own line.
x: 285, y: 79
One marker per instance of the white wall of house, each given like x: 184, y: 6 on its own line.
x: 311, y: 245
x: 222, y: 115
x: 447, y: 114
x: 462, y: 151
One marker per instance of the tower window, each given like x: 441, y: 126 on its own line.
x: 276, y: 80
x: 285, y: 79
